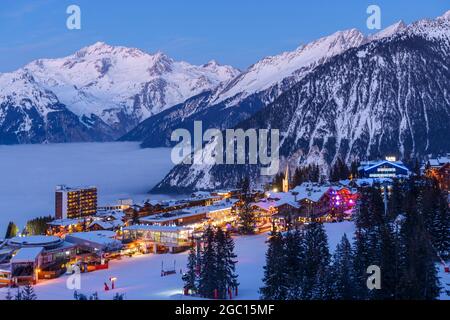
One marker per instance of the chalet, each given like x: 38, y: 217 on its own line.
x: 278, y: 208
x: 314, y: 199
x: 439, y: 168
x: 98, y: 225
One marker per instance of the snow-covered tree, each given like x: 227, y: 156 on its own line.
x: 28, y: 293
x: 275, y: 280
x: 190, y: 277
x: 245, y: 215
x: 343, y: 282
x: 316, y: 258
x: 208, y: 276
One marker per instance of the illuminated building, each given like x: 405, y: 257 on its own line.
x: 389, y: 168
x: 439, y: 169
x: 71, y: 203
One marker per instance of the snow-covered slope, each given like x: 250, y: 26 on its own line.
x: 272, y: 70
x: 389, y: 31
x: 31, y: 114
x: 116, y: 86
x: 259, y: 85
x: 387, y: 96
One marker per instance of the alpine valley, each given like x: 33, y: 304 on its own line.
x: 346, y: 95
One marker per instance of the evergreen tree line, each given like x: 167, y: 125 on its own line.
x: 38, y: 226
x: 211, y: 268
x: 340, y: 170
x: 94, y: 296
x: 297, y: 263
x: 26, y: 293
x: 11, y: 230
x: 404, y: 239
x: 310, y: 173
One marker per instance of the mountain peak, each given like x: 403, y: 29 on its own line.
x: 389, y: 31
x: 211, y: 63
x: 446, y: 15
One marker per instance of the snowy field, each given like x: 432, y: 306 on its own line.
x: 139, y: 277
x: 29, y: 174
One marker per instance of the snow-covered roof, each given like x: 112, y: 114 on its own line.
x: 103, y: 237
x: 170, y: 216
x: 115, y: 214
x: 371, y: 181
x: 27, y: 254
x: 34, y: 241
x: 310, y: 191
x: 439, y: 161
x: 64, y: 222
x: 189, y: 212
x: 103, y: 224
x: 373, y: 164
x: 157, y: 228
x: 107, y: 224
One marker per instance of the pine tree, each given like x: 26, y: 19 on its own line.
x: 441, y: 227
x: 275, y: 280
x: 230, y: 262
x: 395, y: 202
x: 8, y: 295
x: 293, y: 256
x: 11, y: 230
x: 316, y: 259
x: 79, y: 296
x: 323, y: 285
x: 28, y: 293
x: 190, y: 277
x: 362, y: 259
x: 118, y: 296
x: 246, y: 216
x: 354, y: 169
x: 343, y: 283
x: 94, y: 296
x: 220, y: 265
x: 208, y: 277
x: 419, y: 280
x: 18, y: 295
x: 339, y: 171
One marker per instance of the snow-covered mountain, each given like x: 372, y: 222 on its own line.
x: 259, y: 85
x: 389, y: 95
x: 110, y: 89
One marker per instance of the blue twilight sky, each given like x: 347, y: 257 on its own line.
x: 236, y: 32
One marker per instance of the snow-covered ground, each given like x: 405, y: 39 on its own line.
x: 139, y: 277
x: 29, y: 174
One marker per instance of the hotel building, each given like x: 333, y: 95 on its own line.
x: 71, y: 203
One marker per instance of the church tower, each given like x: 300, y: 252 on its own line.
x: 286, y: 180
